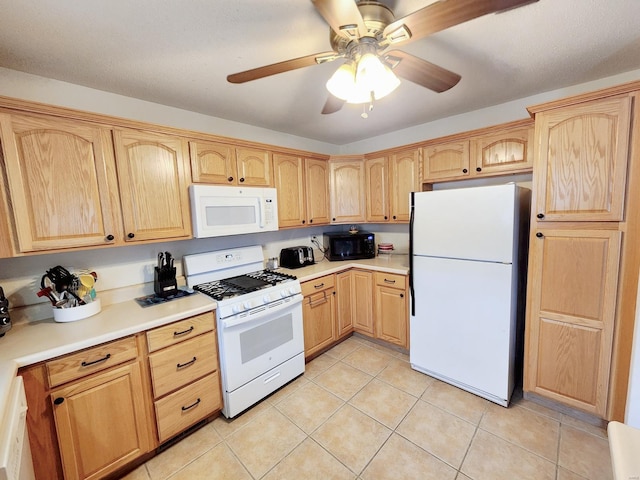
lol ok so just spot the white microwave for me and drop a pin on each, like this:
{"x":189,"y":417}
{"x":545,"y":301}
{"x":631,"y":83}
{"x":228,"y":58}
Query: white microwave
{"x":218,"y":210}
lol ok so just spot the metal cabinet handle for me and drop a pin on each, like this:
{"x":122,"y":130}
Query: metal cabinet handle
{"x":184,"y":332}
{"x":464,"y":170}
{"x":190,"y":362}
{"x":189,"y":407}
{"x":103,"y":359}
{"x":230,"y":179}
{"x":59,"y":401}
{"x":110,"y":238}
{"x":241,"y":179}
{"x":539,"y":235}
{"x":386,"y":280}
{"x":540,"y":215}
{"x":320,"y":285}
{"x":131,"y":235}
{"x":402,"y":295}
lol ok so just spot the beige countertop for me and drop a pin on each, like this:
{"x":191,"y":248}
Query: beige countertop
{"x":30,"y":342}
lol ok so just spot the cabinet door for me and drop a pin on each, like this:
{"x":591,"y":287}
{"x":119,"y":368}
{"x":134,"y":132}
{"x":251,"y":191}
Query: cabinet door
{"x":62,"y":183}
{"x":101,"y":422}
{"x":344,"y":305}
{"x":391,"y":309}
{"x":403,"y":175}
{"x":448,"y":160}
{"x":212,"y":163}
{"x":581,"y":165}
{"x":571,"y":310}
{"x":376,"y":172}
{"x":152,"y":171}
{"x":316,"y":173}
{"x":254,"y":167}
{"x":288,"y":174}
{"x":318,"y":312}
{"x":347,"y":191}
{"x":509,"y":151}
{"x":363,"y":302}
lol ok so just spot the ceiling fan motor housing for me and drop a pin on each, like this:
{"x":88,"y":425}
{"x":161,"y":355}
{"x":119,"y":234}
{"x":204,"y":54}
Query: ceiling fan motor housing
{"x":376,"y":17}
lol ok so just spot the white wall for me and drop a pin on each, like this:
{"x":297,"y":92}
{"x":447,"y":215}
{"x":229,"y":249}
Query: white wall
{"x":632,"y":414}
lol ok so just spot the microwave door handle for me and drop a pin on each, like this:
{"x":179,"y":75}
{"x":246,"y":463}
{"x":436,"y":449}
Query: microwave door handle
{"x":260,"y":214}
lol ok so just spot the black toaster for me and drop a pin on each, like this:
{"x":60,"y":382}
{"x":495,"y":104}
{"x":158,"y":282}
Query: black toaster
{"x":296,"y":257}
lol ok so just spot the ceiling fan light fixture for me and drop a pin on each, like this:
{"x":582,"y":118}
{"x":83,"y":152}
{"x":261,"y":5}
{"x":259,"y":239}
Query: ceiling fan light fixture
{"x":373,"y":76}
{"x":342,"y":82}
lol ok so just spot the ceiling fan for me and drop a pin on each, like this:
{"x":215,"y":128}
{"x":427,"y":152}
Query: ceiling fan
{"x":366,"y":35}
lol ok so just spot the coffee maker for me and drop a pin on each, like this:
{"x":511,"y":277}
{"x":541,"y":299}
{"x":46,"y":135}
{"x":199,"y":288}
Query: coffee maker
{"x":5,"y":321}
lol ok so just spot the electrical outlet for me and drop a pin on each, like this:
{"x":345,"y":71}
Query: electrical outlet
{"x":314,"y":238}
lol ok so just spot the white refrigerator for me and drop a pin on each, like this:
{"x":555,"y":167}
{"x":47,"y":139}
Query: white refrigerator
{"x":467,"y":271}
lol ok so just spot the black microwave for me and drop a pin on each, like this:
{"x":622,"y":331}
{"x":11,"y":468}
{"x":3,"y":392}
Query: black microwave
{"x":349,"y":246}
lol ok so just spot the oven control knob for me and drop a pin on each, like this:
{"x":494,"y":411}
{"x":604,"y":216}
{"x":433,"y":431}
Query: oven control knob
{"x":246,"y":304}
{"x":292,"y":291}
{"x":266,"y":299}
{"x":237,"y":308}
{"x":284,"y":293}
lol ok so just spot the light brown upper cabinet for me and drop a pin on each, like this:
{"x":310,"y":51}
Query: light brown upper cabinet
{"x":446,"y":160}
{"x":403,"y":179}
{"x":583,"y":161}
{"x":224,"y":164}
{"x":504,"y":151}
{"x":303,"y":190}
{"x":347,"y":189}
{"x":377,"y":182}
{"x":153,"y":175}
{"x":62,"y":182}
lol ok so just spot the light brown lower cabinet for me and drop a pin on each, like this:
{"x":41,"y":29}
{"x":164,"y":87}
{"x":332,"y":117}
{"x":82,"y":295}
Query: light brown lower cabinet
{"x":94,"y":412}
{"x":102,"y":422}
{"x":392,"y":308}
{"x":318,"y":313}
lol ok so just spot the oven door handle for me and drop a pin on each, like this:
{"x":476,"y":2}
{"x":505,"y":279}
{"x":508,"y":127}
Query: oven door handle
{"x":252,"y":316}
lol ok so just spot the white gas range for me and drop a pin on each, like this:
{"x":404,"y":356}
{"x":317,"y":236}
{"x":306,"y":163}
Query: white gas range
{"x":259,"y":323}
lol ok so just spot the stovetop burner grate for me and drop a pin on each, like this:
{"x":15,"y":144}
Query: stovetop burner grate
{"x":241,"y":284}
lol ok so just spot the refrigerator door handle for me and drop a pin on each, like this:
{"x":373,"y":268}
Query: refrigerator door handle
{"x":411,"y":290}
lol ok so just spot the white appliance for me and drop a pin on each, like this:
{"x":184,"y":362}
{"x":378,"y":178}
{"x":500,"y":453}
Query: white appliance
{"x":259,"y":323}
{"x":464,"y":282}
{"x":220,"y":210}
{"x":15,"y":452}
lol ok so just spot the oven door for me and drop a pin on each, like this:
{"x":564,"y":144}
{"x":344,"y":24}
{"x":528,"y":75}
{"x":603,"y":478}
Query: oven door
{"x":259,"y":340}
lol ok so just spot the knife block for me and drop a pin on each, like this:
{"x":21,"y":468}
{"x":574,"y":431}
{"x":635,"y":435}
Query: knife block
{"x":164,"y":282}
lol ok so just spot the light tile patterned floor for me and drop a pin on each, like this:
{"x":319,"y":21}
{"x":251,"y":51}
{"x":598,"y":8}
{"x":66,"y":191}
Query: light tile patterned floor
{"x":360,"y":412}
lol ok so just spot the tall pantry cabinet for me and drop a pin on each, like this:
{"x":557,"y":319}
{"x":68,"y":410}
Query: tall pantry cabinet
{"x":583,"y":270}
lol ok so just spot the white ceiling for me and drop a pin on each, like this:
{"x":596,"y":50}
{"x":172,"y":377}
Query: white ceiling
{"x":178,"y":53}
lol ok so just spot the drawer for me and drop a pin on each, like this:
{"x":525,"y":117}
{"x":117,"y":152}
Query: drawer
{"x":180,"y":364}
{"x":318,"y":285}
{"x":94,"y":359}
{"x":392,"y":280}
{"x":187,"y":406}
{"x":179,"y":331}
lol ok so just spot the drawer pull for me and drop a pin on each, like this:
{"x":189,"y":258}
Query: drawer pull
{"x":386,"y":280}
{"x":190,"y":362}
{"x":189,"y":407}
{"x":320,"y":285}
{"x":184,"y":332}
{"x":104,"y":359}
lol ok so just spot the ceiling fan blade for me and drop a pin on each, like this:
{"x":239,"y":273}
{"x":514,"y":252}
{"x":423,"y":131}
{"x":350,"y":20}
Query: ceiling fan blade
{"x":280,"y":67}
{"x":443,"y":14}
{"x":332,"y":105}
{"x":420,"y":71}
{"x":343,"y":17}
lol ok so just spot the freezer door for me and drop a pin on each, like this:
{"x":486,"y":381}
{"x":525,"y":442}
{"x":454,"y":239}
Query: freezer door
{"x":470,"y":223}
{"x":463,"y":331}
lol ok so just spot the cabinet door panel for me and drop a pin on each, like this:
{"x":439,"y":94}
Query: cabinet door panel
{"x":571,"y":314}
{"x":582,"y":161}
{"x":317,"y":190}
{"x":510,"y":151}
{"x":363,"y":306}
{"x":446,"y":161}
{"x":212,"y":163}
{"x":347,"y":191}
{"x":62,"y":181}
{"x":111,"y":404}
{"x":377,"y":182}
{"x":289,"y":181}
{"x":254,"y":167}
{"x":344,"y":305}
{"x":403,"y":174}
{"x":152,"y":174}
